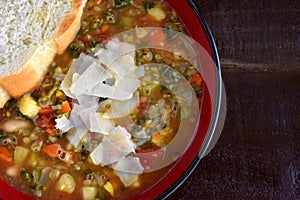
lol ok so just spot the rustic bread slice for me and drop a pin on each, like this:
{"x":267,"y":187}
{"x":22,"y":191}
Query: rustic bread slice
{"x":33,"y":31}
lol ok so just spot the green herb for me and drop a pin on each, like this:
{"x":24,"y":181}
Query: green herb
{"x":2,"y":134}
{"x":110,"y":17}
{"x":76,"y":48}
{"x":121,"y":3}
{"x":26,"y":176}
{"x":148,"y":5}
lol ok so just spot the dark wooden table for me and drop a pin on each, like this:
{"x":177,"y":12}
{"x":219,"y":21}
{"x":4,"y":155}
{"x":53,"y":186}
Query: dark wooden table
{"x":258,"y":153}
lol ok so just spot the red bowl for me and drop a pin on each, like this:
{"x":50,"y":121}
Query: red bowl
{"x":209,"y":110}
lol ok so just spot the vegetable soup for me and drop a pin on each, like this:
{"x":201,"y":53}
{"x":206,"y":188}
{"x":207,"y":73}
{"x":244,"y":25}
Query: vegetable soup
{"x":101,"y":119}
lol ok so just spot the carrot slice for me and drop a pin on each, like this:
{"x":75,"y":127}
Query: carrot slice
{"x":65,"y":107}
{"x":5,"y":155}
{"x":105,"y":28}
{"x":196,"y":79}
{"x":52,"y":150}
{"x":51,"y":132}
{"x":46,"y":111}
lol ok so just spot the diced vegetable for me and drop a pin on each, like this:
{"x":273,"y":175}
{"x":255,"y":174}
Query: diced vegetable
{"x":109,"y":188}
{"x":20,"y":154}
{"x":59,"y":94}
{"x":33,"y":159}
{"x":28,"y":106}
{"x":52,"y":150}
{"x":104,"y":27}
{"x":51,"y":132}
{"x":66,"y":183}
{"x":126,"y":22}
{"x":36,"y":175}
{"x":196,"y":79}
{"x":46,"y":111}
{"x":157,"y":13}
{"x":54,"y":174}
{"x":5,"y":155}
{"x":65,"y":107}
{"x":46,"y":121}
{"x":89,"y":192}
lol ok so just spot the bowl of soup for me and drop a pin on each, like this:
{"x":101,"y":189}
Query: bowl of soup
{"x":126,"y":112}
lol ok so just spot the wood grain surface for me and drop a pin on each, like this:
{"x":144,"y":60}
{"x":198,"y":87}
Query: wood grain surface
{"x":258,"y":153}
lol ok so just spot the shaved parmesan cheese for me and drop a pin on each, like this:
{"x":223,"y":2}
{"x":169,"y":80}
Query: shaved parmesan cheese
{"x":120,"y":109}
{"x":85,"y":116}
{"x":128,"y":169}
{"x":140,"y":71}
{"x":99,"y":124}
{"x":78,"y":67}
{"x":86,"y":101}
{"x":113,"y":147}
{"x":111,"y":74}
{"x":79,"y":127}
{"x":104,"y":105}
{"x":128,"y":84}
{"x":114,"y":49}
{"x":123,"y":65}
{"x":140,"y":137}
{"x":94,"y":75}
{"x":63,"y":124}
{"x":106,"y":91}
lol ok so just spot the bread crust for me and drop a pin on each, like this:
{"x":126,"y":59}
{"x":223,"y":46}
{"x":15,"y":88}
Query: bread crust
{"x":32,"y":73}
{"x":69,"y":26}
{"x":35,"y":68}
{"x":4,"y":97}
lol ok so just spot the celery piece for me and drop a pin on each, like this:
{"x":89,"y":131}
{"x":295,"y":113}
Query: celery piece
{"x":89,"y":192}
{"x":20,"y":154}
{"x":66,"y":183}
{"x":28,"y":106}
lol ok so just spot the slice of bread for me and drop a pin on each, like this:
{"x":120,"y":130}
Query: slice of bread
{"x":32,"y":33}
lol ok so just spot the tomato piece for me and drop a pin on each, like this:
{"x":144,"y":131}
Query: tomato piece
{"x":143,"y":106}
{"x":46,"y":111}
{"x":5,"y":155}
{"x":46,"y":121}
{"x":52,"y":150}
{"x":101,"y":37}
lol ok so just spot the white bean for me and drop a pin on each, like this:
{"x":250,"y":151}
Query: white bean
{"x":12,"y":171}
{"x":14,"y":125}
